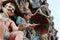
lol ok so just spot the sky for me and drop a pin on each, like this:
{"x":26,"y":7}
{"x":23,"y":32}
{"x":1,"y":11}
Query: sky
{"x":55,"y":12}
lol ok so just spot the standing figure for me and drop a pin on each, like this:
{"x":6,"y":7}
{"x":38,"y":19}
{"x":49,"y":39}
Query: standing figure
{"x":10,"y":29}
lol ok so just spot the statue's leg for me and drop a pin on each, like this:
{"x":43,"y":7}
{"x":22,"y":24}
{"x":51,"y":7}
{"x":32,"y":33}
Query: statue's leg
{"x":1,"y":29}
{"x":18,"y":35}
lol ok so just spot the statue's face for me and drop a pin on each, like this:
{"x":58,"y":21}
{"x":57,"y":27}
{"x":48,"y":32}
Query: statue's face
{"x":42,"y":0}
{"x":28,"y":16}
{"x":51,"y":18}
{"x":10,"y":9}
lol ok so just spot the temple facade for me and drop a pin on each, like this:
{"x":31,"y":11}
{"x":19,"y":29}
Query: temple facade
{"x":41,"y":15}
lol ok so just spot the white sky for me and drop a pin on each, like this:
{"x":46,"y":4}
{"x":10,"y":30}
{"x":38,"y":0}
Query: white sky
{"x":54,"y":6}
